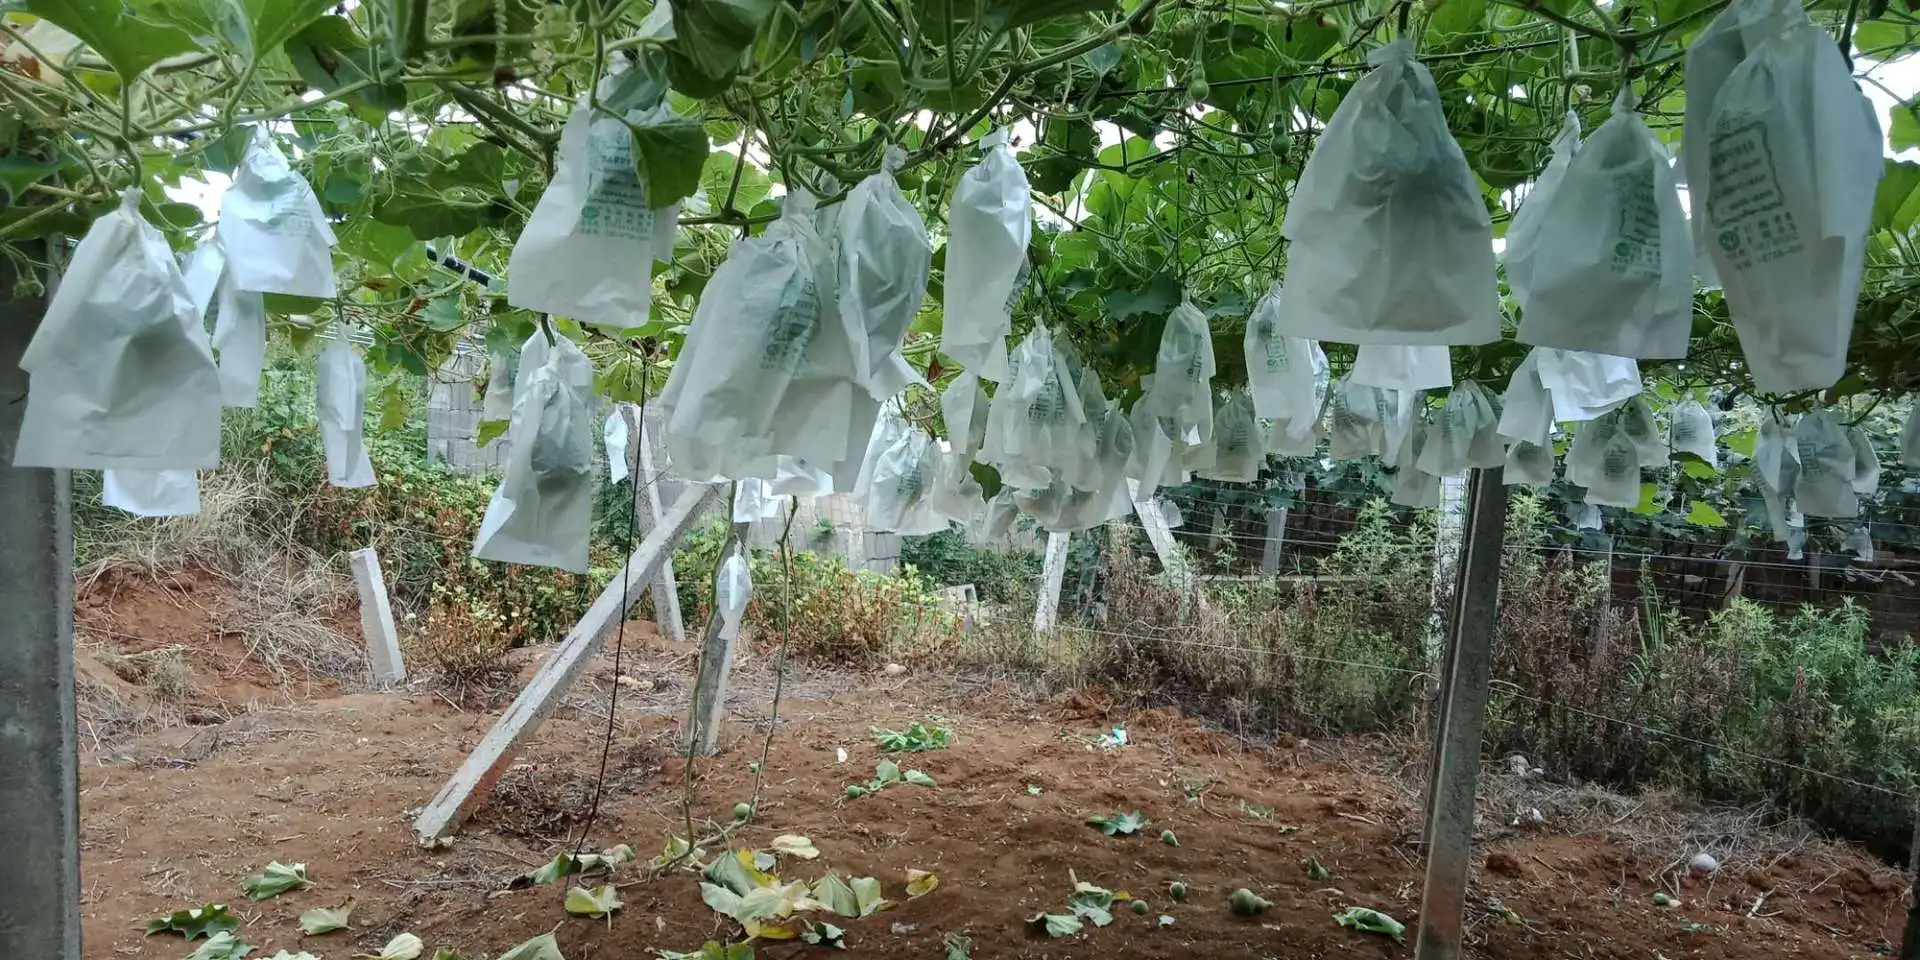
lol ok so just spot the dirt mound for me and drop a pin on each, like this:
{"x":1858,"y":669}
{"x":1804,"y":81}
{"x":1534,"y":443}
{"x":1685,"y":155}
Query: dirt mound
{"x":330,"y":783}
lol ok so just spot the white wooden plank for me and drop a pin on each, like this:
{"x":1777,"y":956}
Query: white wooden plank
{"x":376,"y":619}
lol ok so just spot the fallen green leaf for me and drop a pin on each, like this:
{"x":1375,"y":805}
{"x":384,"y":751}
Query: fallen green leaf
{"x":793,"y":845}
{"x":825,"y":935}
{"x":195,"y":922}
{"x":838,"y":897}
{"x":958,"y":947}
{"x":542,"y":947}
{"x":221,"y":946}
{"x":1056,"y":925}
{"x":595,"y":903}
{"x":918,"y":779}
{"x":276,"y":879}
{"x":1316,"y":872}
{"x":711,"y":950}
{"x":920,"y":883}
{"x":321,"y":920}
{"x":1368,"y":920}
{"x":303,"y":955}
{"x":866,"y":892}
{"x":1166,"y":921}
{"x":1119,"y":824}
{"x":406,"y":946}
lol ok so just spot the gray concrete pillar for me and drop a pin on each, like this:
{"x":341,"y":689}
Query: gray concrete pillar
{"x":39,"y":744}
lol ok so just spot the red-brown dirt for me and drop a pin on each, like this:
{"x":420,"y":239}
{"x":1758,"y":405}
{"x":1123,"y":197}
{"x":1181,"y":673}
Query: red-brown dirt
{"x":179,"y":817}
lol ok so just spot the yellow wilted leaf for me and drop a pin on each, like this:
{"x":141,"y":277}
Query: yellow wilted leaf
{"x":920,"y":882}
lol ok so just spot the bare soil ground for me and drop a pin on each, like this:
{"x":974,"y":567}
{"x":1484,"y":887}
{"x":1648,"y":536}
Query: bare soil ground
{"x":252,"y":770}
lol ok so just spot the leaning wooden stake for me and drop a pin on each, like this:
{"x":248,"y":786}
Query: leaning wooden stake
{"x":490,"y":759}
{"x":1455,"y":764}
{"x":708,"y":711}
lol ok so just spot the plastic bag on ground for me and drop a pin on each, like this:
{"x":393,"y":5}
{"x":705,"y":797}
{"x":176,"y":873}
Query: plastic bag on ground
{"x":1783,"y":161}
{"x":614,"y":435}
{"x":1526,"y":410}
{"x":1391,"y":242}
{"x":121,"y":375}
{"x":1611,"y":266}
{"x":1529,"y":464}
{"x":884,"y":260}
{"x":1402,"y":368}
{"x":340,"y":399}
{"x":989,"y":225}
{"x":732,"y":590}
{"x":541,"y":512}
{"x":152,"y":493}
{"x":1287,"y":375}
{"x":275,"y":234}
{"x":1524,"y":230}
{"x":1690,"y":430}
{"x":1585,"y":385}
{"x":1824,"y":486}
{"x":587,"y":251}
{"x":1238,"y":452}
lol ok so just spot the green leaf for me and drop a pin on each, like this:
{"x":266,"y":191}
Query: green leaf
{"x":918,"y":779}
{"x":1697,"y":468}
{"x":825,"y":935}
{"x":1704,"y":515}
{"x":1456,"y":18}
{"x":443,"y":314}
{"x":885,"y":772}
{"x":834,"y":892}
{"x":866,"y":893}
{"x":321,"y":920}
{"x":542,"y":947}
{"x":794,"y":845}
{"x":958,"y":947}
{"x":599,"y":902}
{"x":406,"y":946}
{"x":1160,"y":296}
{"x":710,"y":39}
{"x":1649,"y":501}
{"x":250,"y":27}
{"x":330,"y":53}
{"x":196,"y":922}
{"x":277,"y":880}
{"x":1056,"y":925}
{"x":1897,"y":187}
{"x":127,"y":34}
{"x":1120,"y":824}
{"x":18,"y":172}
{"x":396,"y":404}
{"x":1367,"y":920}
{"x":303,"y":955}
{"x":1904,"y":131}
{"x":668,"y":155}
{"x":222,"y":946}
{"x":711,"y":950}
{"x":491,"y":430}
{"x":716,"y":177}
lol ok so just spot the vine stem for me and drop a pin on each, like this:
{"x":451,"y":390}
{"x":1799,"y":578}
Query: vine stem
{"x":780,"y":662}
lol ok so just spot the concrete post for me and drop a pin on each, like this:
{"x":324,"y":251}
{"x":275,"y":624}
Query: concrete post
{"x":1046,"y":612}
{"x":1275,"y":543}
{"x":708,"y":711}
{"x":1455,"y":764}
{"x":650,"y":485}
{"x":376,"y":619}
{"x":39,"y":740}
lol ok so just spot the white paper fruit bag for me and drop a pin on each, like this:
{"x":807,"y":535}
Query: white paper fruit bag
{"x":152,"y":493}
{"x":1391,"y":242}
{"x":988,"y":228}
{"x":1824,"y":485}
{"x":1398,"y":367}
{"x":541,"y":511}
{"x":1783,"y":160}
{"x":1585,"y":385}
{"x":276,"y":236}
{"x":1524,"y":231}
{"x":587,"y":251}
{"x":1238,"y":448}
{"x":1183,"y":369}
{"x":1866,"y":462}
{"x":239,"y":321}
{"x":340,"y":399}
{"x":1287,"y":375}
{"x":1690,"y":430}
{"x":121,"y":375}
{"x":1529,"y":464}
{"x":732,"y":590}
{"x":1612,"y":258}
{"x":1526,"y":409}
{"x":884,"y":260}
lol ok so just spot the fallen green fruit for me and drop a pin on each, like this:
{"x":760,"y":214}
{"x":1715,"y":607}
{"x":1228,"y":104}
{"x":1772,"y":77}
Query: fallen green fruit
{"x":1167,"y":837}
{"x":1140,"y":907}
{"x":855,"y":791}
{"x":741,"y":811}
{"x":1246,"y":903}
{"x":1178,"y":891}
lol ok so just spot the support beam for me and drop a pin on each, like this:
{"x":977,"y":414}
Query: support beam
{"x":1046,"y":612}
{"x":650,"y":487}
{"x":376,"y":619}
{"x":39,"y":743}
{"x":1275,"y":543}
{"x":496,"y":751}
{"x":707,"y":712}
{"x":1455,"y":764}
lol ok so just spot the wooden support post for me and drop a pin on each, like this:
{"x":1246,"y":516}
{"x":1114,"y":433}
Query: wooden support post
{"x":649,"y":488}
{"x":496,"y":751}
{"x":1455,"y":764}
{"x":1046,"y":611}
{"x":376,"y":619}
{"x":1275,"y":543}
{"x":708,"y":711}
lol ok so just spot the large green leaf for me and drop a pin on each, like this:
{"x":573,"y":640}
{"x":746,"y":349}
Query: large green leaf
{"x":1904,"y":130}
{"x":250,"y":27}
{"x":1891,"y":204}
{"x":329,"y":54}
{"x":668,"y":154}
{"x":710,"y":41}
{"x":130,"y":35}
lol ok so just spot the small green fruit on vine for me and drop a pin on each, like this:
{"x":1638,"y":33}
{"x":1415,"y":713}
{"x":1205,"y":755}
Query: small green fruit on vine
{"x":741,"y":811}
{"x":1197,"y":89}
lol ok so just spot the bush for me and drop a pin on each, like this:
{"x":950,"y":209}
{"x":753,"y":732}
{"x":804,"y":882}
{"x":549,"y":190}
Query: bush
{"x":950,"y":559}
